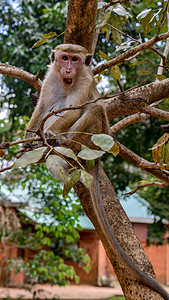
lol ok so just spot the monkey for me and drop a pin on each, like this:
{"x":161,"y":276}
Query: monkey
{"x":69,"y":82}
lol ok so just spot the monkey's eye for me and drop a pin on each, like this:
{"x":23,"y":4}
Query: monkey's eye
{"x":74,"y":58}
{"x":64,"y":57}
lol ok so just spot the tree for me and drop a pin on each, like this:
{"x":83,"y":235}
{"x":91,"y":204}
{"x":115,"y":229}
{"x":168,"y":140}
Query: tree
{"x":138,"y":103}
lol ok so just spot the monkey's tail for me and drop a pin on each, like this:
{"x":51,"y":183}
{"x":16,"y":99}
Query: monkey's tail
{"x":113,"y":242}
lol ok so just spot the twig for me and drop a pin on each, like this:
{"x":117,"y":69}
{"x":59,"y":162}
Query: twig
{"x":160,"y":184}
{"x":123,"y":33}
{"x":5,"y":169}
{"x":141,"y":163}
{"x":38,"y":74}
{"x":6,"y":145}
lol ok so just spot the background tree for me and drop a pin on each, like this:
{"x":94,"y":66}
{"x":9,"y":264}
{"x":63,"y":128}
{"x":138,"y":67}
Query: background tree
{"x":152,"y":21}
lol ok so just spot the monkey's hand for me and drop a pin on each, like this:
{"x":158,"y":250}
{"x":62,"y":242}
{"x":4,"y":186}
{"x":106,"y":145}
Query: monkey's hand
{"x":53,"y":140}
{"x":29,"y":145}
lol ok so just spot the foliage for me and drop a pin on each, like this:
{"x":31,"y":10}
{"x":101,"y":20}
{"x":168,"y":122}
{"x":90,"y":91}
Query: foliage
{"x":27,"y":25}
{"x":51,"y":239}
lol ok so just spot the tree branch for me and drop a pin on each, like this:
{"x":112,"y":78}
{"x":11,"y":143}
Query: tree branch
{"x":121,"y":58}
{"x":141,"y":163}
{"x":160,"y":184}
{"x":13,"y":71}
{"x":129,"y":103}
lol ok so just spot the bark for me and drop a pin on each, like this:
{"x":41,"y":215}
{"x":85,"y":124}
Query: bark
{"x":81,"y":22}
{"x":124,"y":232}
{"x":79,"y":31}
{"x":13,"y":71}
{"x":131,"y":103}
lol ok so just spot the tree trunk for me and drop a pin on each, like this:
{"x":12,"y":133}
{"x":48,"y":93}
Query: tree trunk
{"x":80,"y":24}
{"x":80,"y":30}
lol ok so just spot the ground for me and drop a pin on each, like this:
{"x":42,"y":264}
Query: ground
{"x":73,"y":292}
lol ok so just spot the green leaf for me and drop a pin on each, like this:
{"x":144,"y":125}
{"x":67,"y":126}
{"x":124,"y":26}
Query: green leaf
{"x":141,"y":62}
{"x":58,"y":167}
{"x":66,"y":152}
{"x":147,"y":20}
{"x":90,"y":154}
{"x":28,"y":158}
{"x":104,"y":141}
{"x":166,"y":156}
{"x":143,"y":14}
{"x":103,"y":55}
{"x":74,"y":178}
{"x":160,"y":77}
{"x":77,"y":279}
{"x":49,"y":35}
{"x":162,"y":140}
{"x":90,"y":164}
{"x":86,"y":179}
{"x":144,"y":72}
{"x":115,"y":72}
{"x":106,"y":18}
{"x":69,"y":238}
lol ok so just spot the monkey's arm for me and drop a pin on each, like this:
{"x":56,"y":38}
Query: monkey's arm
{"x":82,"y":129}
{"x":63,"y":122}
{"x":34,"y":122}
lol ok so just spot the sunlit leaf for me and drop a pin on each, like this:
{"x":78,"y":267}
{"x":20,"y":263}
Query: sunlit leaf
{"x":39,"y":43}
{"x":2,"y":153}
{"x":66,"y":152}
{"x":161,"y":162}
{"x":58,"y":168}
{"x":144,"y":72}
{"x":141,"y":62}
{"x":142,"y":182}
{"x":166,"y":157}
{"x":121,"y":11}
{"x":156,"y":154}
{"x":103,"y":55}
{"x":28,"y":158}
{"x":114,"y":150}
{"x":104,"y":141}
{"x":105,"y":19}
{"x":49,"y":35}
{"x":162,"y":140}
{"x":90,"y":154}
{"x":100,"y":4}
{"x":147,"y":20}
{"x":115,"y":72}
{"x":98,"y":78}
{"x":86,"y":179}
{"x":160,"y":77}
{"x":143,"y":14}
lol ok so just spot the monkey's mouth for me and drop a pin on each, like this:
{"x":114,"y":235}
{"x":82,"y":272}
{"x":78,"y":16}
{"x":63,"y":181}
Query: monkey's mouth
{"x":68,"y":80}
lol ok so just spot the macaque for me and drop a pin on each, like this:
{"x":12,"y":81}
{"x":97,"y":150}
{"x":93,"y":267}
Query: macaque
{"x":70,"y":82}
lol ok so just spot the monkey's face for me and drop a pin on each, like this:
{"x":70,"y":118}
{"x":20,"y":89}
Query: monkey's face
{"x":69,"y":64}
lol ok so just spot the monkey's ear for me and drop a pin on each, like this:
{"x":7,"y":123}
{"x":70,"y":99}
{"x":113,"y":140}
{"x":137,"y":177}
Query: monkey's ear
{"x":88,"y":59}
{"x":52,"y":56}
